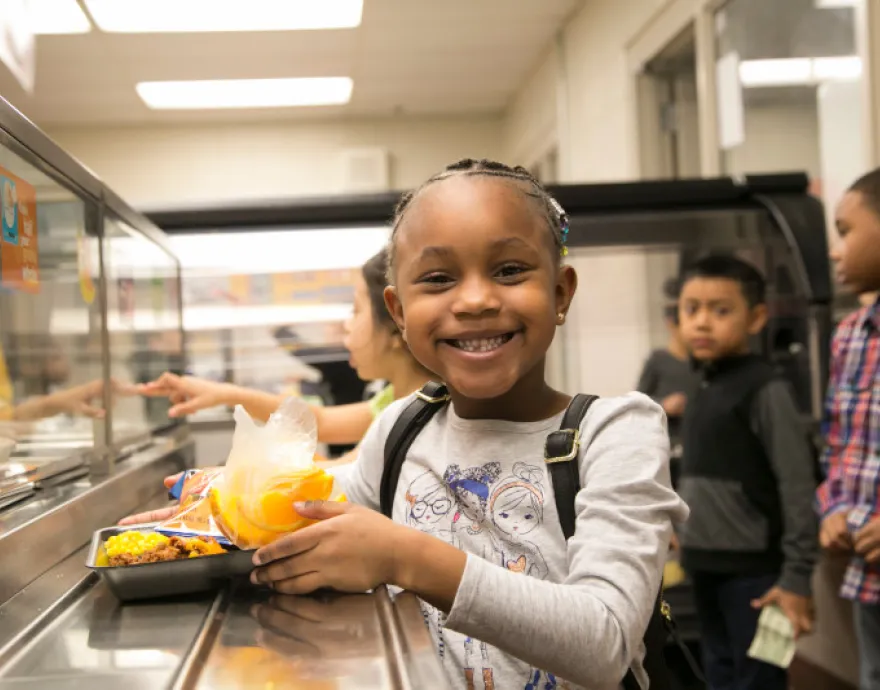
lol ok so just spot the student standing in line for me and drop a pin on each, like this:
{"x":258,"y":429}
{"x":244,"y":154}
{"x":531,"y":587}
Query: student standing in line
{"x":377,"y":352}
{"x":848,"y":498}
{"x":747,"y":476}
{"x":668,"y":376}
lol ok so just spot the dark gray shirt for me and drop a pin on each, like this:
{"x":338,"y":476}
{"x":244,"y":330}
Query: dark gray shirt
{"x":784,"y":434}
{"x":665,"y":374}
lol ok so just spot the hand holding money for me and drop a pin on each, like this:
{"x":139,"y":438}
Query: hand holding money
{"x":798,"y":609}
{"x":774,"y":640}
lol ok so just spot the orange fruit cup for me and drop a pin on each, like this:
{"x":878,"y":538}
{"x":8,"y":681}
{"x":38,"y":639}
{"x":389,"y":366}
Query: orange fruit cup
{"x":259,"y":518}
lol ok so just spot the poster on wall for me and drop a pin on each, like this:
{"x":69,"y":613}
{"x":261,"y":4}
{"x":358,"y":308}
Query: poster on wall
{"x":19,"y":247}
{"x":84,"y":266}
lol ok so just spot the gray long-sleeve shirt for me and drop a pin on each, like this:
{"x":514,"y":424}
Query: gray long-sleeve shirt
{"x":531,"y":604}
{"x":779,"y":425}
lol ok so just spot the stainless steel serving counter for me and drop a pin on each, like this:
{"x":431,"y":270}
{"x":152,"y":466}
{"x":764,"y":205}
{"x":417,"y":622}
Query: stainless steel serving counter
{"x":60,"y":627}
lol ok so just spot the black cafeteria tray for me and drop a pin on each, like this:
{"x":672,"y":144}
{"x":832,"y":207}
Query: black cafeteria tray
{"x":166,"y":578}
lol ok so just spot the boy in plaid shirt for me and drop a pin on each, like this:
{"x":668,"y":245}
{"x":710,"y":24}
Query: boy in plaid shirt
{"x":849,"y":498}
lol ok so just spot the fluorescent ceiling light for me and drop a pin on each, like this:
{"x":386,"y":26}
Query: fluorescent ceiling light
{"x":847,"y":68}
{"x":245,"y":93}
{"x":175,"y":16}
{"x":799,"y":71}
{"x":57,"y":17}
{"x":836,"y":4}
{"x":786,"y":72}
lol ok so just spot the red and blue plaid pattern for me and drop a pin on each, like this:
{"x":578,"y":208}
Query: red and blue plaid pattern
{"x":851,"y":427}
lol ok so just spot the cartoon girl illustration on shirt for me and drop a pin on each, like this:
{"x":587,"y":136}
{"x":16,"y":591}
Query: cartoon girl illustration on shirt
{"x":516,"y":508}
{"x":471,"y":490}
{"x":429,"y":504}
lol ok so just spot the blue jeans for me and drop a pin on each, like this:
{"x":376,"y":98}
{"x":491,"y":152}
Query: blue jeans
{"x":867,"y":623}
{"x":727,"y":627}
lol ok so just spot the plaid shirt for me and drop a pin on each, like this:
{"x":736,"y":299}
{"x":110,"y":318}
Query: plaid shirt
{"x":851,"y":428}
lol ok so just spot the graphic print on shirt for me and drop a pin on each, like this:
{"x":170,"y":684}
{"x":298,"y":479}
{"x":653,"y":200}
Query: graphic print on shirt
{"x":429,"y":504}
{"x":471,"y":488}
{"x":541,"y":680}
{"x":516,"y":508}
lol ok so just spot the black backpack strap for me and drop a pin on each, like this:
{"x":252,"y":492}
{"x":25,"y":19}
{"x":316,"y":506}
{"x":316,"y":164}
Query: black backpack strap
{"x":412,"y":420}
{"x":561,"y":455}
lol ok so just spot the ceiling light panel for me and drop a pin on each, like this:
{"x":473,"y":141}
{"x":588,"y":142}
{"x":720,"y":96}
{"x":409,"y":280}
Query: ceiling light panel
{"x":196,"y":16}
{"x":50,"y":17}
{"x":245,"y":93}
{"x":799,"y":71}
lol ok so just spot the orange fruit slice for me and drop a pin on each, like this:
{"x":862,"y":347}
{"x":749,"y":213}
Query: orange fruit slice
{"x":254,"y":520}
{"x":233,"y":524}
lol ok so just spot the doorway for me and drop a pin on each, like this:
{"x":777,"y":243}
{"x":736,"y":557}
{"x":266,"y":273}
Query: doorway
{"x":669,"y":134}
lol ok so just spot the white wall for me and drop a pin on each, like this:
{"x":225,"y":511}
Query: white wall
{"x":600,"y":108}
{"x":588,"y":84}
{"x":154,"y":167}
{"x":530,"y":127}
{"x":779,"y":137}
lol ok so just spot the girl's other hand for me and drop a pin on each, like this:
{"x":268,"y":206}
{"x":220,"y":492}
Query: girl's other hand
{"x":187,"y":394}
{"x":353,"y":549}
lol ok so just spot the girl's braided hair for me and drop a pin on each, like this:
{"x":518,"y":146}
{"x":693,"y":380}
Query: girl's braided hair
{"x":557,"y":220}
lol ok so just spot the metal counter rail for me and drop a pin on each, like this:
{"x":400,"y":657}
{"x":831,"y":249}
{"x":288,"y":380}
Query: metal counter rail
{"x":36,"y":535}
{"x":242,"y":637}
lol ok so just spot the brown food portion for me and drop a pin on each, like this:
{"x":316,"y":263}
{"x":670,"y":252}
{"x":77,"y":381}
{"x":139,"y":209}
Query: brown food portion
{"x":177,"y":548}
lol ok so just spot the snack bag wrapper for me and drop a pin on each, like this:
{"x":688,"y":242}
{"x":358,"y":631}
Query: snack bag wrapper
{"x":269,"y":469}
{"x":194,"y":517}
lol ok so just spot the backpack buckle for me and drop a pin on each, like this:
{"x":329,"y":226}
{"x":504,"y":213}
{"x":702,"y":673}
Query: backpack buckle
{"x":433,"y":400}
{"x":562,"y":446}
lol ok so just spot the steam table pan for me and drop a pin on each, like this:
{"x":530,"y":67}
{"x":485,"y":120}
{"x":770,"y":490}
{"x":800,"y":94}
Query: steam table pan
{"x":166,"y":578}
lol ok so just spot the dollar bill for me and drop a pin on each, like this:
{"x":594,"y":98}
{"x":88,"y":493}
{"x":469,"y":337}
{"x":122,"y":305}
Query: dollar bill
{"x":774,"y":640}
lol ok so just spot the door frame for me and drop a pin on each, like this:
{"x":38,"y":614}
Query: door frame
{"x":667,"y":24}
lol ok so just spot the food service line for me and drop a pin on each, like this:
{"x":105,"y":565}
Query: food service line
{"x":60,"y":626}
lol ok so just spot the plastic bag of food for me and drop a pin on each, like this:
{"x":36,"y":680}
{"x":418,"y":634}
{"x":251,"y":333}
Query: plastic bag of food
{"x":269,"y":468}
{"x":194,"y":517}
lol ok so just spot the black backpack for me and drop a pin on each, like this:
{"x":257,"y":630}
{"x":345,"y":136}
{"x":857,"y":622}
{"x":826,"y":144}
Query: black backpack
{"x":561,"y":457}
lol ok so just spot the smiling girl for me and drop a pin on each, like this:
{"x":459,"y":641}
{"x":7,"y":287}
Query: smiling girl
{"x":478,"y":289}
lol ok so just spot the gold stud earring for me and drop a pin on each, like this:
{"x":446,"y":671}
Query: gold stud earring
{"x":560,"y":317}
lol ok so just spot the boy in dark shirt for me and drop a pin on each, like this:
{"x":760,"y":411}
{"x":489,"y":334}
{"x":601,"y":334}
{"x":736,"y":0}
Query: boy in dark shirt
{"x":747,"y":475}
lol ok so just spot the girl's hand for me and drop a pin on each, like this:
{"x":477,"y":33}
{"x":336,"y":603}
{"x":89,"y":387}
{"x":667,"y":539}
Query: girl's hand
{"x":353,"y":549}
{"x":188,"y":394}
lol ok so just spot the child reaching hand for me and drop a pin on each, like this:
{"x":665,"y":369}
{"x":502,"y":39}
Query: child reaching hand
{"x":478,"y":290}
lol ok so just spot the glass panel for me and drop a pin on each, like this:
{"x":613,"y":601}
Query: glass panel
{"x":50,"y":322}
{"x":143,"y":317}
{"x":790,"y":91}
{"x":265,"y":309}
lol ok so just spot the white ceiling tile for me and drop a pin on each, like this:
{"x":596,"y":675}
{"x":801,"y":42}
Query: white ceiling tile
{"x":408,"y":56}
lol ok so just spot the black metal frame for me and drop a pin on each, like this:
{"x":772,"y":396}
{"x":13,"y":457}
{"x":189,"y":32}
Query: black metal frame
{"x":738,"y":211}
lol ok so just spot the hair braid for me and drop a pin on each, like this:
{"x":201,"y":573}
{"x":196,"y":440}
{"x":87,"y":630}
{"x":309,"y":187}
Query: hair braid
{"x":557,"y":220}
